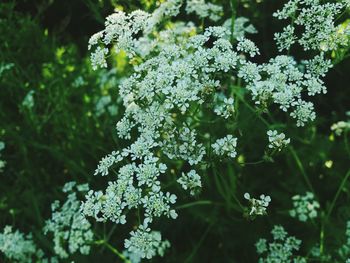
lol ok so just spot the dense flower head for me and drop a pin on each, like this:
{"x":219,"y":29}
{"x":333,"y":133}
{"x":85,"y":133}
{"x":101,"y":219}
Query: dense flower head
{"x":280,"y":249}
{"x":225,"y":147}
{"x":16,"y":246}
{"x":71,"y":231}
{"x":190,"y":181}
{"x":317,"y":21}
{"x":146,"y":243}
{"x":247,"y":46}
{"x":224,"y":106}
{"x":284,"y":83}
{"x":304,"y":207}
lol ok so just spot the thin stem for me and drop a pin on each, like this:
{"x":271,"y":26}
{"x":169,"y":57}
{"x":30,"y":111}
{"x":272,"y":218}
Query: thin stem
{"x":253,"y":110}
{"x":202,"y":202}
{"x":322,"y":235}
{"x":194,"y":251}
{"x":110,"y":232}
{"x":301,"y":168}
{"x":346,"y":177}
{"x":233,"y":4}
{"x":252,"y":163}
{"x":112,"y":249}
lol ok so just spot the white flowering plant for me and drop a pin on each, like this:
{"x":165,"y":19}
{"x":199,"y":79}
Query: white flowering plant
{"x":217,"y":126}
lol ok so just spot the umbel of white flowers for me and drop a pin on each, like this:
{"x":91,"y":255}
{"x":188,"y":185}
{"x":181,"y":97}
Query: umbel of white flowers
{"x":258,"y":207}
{"x":281,"y":249}
{"x":304,"y":207}
{"x":277,"y":141}
{"x":71,"y":231}
{"x":164,"y":95}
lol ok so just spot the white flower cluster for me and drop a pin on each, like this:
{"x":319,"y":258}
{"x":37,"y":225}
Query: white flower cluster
{"x":247,"y":46}
{"x":258,"y":207}
{"x":281,"y":249}
{"x":282,"y":82}
{"x":71,"y":231}
{"x":146,"y":243}
{"x":183,"y":145}
{"x":190,"y":181}
{"x":121,"y":31}
{"x":177,"y":32}
{"x":224,"y":107}
{"x":17,"y":247}
{"x":277,"y":140}
{"x":203,"y":9}
{"x":225,"y":147}
{"x":317,"y":20}
{"x":285,"y":39}
{"x":304,"y":207}
{"x":176,"y":71}
{"x":338,"y":128}
{"x":164,"y":86}
{"x":2,"y":162}
{"x":124,"y":194}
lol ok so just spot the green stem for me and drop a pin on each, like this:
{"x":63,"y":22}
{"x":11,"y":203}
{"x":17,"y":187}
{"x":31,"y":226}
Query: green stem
{"x":194,"y":251}
{"x":346,"y":177}
{"x":324,"y":220}
{"x":202,"y":202}
{"x":322,"y":236}
{"x":233,"y":4}
{"x":252,"y":109}
{"x":112,"y":249}
{"x":252,"y":163}
{"x":301,"y":168}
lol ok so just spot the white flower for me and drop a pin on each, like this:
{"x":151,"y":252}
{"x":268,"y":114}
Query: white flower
{"x":258,"y":206}
{"x":71,"y":231}
{"x":303,"y":112}
{"x":226,"y":146}
{"x":304,"y":207}
{"x":98,"y":58}
{"x":277,"y":141}
{"x":146,"y":243}
{"x":285,"y":39}
{"x":16,"y":246}
{"x":190,"y":181}
{"x":247,"y":46}
{"x":224,"y":106}
{"x":203,"y":9}
{"x":340,"y":127}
